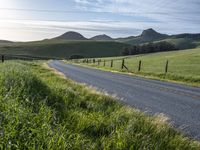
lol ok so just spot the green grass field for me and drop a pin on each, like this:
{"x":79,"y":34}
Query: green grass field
{"x":183,"y":65}
{"x":41,"y":110}
{"x":64,"y":49}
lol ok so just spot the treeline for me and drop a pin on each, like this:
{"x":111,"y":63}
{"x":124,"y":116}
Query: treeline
{"x":149,"y":48}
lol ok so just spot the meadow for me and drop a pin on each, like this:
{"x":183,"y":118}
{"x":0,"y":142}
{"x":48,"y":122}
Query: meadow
{"x":40,"y":109}
{"x":183,"y":65}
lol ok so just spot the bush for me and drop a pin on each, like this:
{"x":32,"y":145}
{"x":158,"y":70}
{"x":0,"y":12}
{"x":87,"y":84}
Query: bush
{"x":76,"y":57}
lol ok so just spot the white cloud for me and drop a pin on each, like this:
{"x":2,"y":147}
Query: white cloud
{"x":154,"y":9}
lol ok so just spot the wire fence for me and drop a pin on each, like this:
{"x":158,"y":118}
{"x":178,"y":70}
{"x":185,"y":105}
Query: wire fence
{"x":161,"y":66}
{"x":5,"y":57}
{"x":120,"y":63}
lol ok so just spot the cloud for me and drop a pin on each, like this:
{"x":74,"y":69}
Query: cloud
{"x":90,"y":17}
{"x":154,"y":9}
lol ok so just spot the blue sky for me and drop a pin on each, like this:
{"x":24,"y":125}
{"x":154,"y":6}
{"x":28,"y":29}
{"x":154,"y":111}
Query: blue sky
{"x":27,"y":20}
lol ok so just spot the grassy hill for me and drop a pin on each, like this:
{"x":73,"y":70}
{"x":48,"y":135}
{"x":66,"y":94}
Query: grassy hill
{"x":64,"y":48}
{"x":102,"y":37}
{"x":148,"y":35}
{"x":181,"y":41}
{"x":183,"y":65}
{"x":71,"y":36}
{"x":5,"y":42}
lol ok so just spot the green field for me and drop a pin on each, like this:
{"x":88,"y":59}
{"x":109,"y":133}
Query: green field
{"x":41,"y":110}
{"x":183,"y":65}
{"x":63,"y":48}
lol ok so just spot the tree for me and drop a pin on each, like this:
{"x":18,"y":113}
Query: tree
{"x":76,"y":57}
{"x":149,"y":48}
{"x":125,"y":51}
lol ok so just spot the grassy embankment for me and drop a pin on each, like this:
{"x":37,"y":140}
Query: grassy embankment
{"x":40,"y":110}
{"x":184,"y":66}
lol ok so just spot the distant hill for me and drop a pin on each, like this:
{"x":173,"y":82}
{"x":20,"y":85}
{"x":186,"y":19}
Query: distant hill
{"x":148,"y":35}
{"x":102,"y":37}
{"x":187,"y":35}
{"x":151,"y":34}
{"x":75,"y":36}
{"x":181,"y":41}
{"x":73,"y":43}
{"x":4,"y":41}
{"x":72,"y":36}
{"x":184,"y":41}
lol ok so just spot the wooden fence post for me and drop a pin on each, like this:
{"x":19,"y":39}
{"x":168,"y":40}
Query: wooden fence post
{"x":166,"y":66}
{"x":139,"y":66}
{"x":111,"y":64}
{"x":104,"y":64}
{"x":122,"y":64}
{"x":98,"y":62}
{"x":2,"y":58}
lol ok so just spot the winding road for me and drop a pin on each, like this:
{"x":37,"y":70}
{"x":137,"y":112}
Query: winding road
{"x":180,"y":103}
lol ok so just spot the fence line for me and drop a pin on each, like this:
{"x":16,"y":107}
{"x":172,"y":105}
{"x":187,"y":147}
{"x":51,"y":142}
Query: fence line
{"x":23,"y":57}
{"x":123,"y":63}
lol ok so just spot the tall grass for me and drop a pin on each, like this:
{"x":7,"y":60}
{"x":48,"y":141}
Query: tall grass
{"x":39,"y":110}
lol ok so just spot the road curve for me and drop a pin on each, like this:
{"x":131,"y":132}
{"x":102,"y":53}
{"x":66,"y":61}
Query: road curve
{"x":179,"y":102}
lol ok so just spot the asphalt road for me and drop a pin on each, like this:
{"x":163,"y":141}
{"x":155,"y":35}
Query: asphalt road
{"x":179,"y":102}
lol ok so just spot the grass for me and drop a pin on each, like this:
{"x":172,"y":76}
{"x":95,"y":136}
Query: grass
{"x":64,"y":49}
{"x":183,"y":66}
{"x":40,"y":110}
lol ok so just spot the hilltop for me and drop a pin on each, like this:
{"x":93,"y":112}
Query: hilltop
{"x":181,"y":41}
{"x":71,"y":36}
{"x":148,"y":35}
{"x":102,"y":37}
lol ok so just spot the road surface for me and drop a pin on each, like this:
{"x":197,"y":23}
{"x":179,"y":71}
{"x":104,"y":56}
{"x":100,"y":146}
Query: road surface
{"x":179,"y":102}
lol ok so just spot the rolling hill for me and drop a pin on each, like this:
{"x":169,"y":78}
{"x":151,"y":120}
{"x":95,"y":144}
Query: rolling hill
{"x":73,"y":43}
{"x":5,"y":42}
{"x":181,"y":41}
{"x":148,"y":35}
{"x":64,"y":48}
{"x":101,"y":38}
{"x":71,"y":36}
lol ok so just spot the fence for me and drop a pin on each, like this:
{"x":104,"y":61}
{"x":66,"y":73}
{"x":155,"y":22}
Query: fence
{"x":121,"y":64}
{"x":4,"y":57}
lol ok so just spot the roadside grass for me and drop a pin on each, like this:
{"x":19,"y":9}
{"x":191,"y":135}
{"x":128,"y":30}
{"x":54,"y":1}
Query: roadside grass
{"x":40,"y":110}
{"x":183,"y":65}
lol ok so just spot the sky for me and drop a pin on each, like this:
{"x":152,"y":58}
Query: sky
{"x":29,"y":20}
